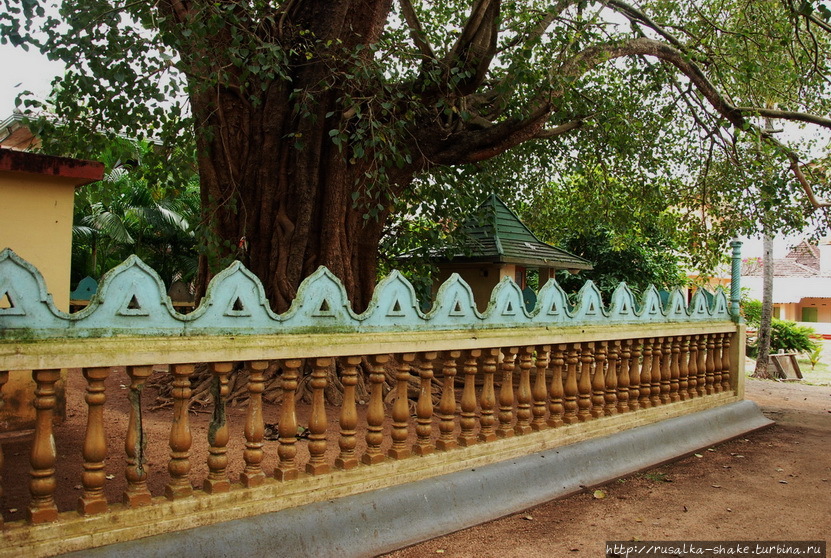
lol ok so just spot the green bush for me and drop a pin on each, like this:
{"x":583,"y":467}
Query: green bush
{"x":784,"y":335}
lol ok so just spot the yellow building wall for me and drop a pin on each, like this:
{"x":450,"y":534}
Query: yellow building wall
{"x":482,"y":279}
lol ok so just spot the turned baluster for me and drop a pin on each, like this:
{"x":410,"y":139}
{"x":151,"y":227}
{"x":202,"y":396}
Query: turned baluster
{"x":610,"y":397}
{"x":218,"y":433}
{"x":253,"y":475}
{"x":447,"y":404}
{"x":137,"y":493}
{"x":92,"y":500}
{"x":666,"y":371}
{"x":487,"y":403}
{"x":726,"y":365}
{"x":683,"y":368}
{"x":318,"y":422}
{"x":555,"y":391}
{"x":400,"y":411}
{"x":599,"y":381}
{"x":692,"y":366}
{"x":540,"y":390}
{"x":634,"y":373}
{"x":424,"y":405}
{"x":467,"y":417}
{"x":584,"y":382}
{"x":523,"y":408}
{"x":4,"y":377}
{"x":655,"y":381}
{"x":703,"y":388}
{"x":506,"y":393}
{"x":347,"y":459}
{"x":287,"y":426}
{"x":623,"y":351}
{"x":675,"y":370}
{"x":718,"y":347}
{"x":43,"y":456}
{"x":570,"y":389}
{"x":180,"y":437}
{"x":710,"y":364}
{"x":375,"y":412}
{"x":646,"y":375}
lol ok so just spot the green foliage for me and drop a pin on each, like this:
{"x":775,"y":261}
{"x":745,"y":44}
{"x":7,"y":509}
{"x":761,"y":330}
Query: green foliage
{"x":784,"y":335}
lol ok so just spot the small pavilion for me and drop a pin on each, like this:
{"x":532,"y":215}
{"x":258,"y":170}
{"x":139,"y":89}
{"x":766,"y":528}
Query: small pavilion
{"x":497,"y":244}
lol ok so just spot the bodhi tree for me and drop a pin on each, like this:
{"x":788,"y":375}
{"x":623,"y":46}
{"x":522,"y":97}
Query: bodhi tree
{"x":316,"y":123}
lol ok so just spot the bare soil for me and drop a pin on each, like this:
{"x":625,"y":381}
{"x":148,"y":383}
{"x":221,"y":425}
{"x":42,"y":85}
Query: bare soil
{"x":774,"y":484}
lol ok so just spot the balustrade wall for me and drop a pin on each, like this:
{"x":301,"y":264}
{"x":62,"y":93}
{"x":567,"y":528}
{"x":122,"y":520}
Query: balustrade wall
{"x":442,"y":391}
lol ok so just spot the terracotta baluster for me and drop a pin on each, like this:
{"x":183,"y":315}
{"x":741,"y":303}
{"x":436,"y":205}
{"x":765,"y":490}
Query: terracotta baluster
{"x":487,"y":403}
{"x":252,"y":475}
{"x":375,"y":412}
{"x":447,"y":404}
{"x":683,"y":367}
{"x":726,"y":365}
{"x":692,"y":366}
{"x":540,"y":390}
{"x":524,"y":398}
{"x":287,"y":426}
{"x":610,"y":397}
{"x":711,"y":363}
{"x":655,"y":382}
{"x":675,"y":370}
{"x":599,"y":379}
{"x":424,"y":406}
{"x":666,"y":371}
{"x":718,"y":346}
{"x":584,"y":383}
{"x":137,"y":493}
{"x":42,"y":482}
{"x":467,"y":416}
{"x":570,"y":388}
{"x":645,"y":388}
{"x":92,"y":500}
{"x":555,"y":391}
{"x":4,"y":377}
{"x":623,"y":351}
{"x":634,"y":373}
{"x":401,"y":409}
{"x":218,"y":433}
{"x":318,"y":421}
{"x":348,"y":415}
{"x":180,"y":437}
{"x":506,"y":393}
{"x":703,"y":387}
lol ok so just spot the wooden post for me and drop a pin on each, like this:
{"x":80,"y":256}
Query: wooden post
{"x":447,"y":404}
{"x":375,"y":412}
{"x":43,"y":456}
{"x":584,"y":383}
{"x":540,"y":391}
{"x":253,"y":474}
{"x":137,"y":493}
{"x":555,"y":391}
{"x":318,"y":422}
{"x":467,"y":416}
{"x":523,"y":410}
{"x":623,"y":351}
{"x":487,"y":421}
{"x":401,"y":409}
{"x":218,"y":433}
{"x":570,"y":389}
{"x":287,"y":427}
{"x":424,"y":406}
{"x":180,"y":437}
{"x":634,"y":373}
{"x":506,"y":393}
{"x":348,"y":415}
{"x":92,"y":500}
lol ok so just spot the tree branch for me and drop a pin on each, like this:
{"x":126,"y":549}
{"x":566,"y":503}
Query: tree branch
{"x":416,"y":31}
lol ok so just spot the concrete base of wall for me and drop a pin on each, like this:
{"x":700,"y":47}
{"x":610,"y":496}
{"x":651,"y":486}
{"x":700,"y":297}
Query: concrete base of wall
{"x":383,"y":520}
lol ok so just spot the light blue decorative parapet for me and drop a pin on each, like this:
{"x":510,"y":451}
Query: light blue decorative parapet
{"x":131,"y":300}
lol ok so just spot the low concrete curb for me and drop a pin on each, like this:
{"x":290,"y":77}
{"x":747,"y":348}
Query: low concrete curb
{"x":383,"y":520}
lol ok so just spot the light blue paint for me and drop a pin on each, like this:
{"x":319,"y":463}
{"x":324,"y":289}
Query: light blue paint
{"x":131,"y":300}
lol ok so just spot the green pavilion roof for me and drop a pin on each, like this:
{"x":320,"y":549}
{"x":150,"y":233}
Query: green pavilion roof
{"x":500,"y":237}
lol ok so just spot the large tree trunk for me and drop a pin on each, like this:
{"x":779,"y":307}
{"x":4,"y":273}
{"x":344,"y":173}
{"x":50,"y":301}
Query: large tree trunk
{"x":763,"y":335}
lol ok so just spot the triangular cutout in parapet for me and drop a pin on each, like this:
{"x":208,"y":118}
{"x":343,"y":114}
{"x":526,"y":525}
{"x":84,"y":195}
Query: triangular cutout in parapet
{"x":457,"y":309}
{"x":396,"y":310}
{"x":238,"y":305}
{"x":6,"y":302}
{"x":592,"y":309}
{"x":237,"y":308}
{"x":325,"y":309}
{"x":509,"y":309}
{"x":132,"y":307}
{"x":8,"y":307}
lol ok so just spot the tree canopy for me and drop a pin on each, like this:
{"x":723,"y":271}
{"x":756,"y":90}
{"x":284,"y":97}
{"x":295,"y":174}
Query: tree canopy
{"x":317,"y":124}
